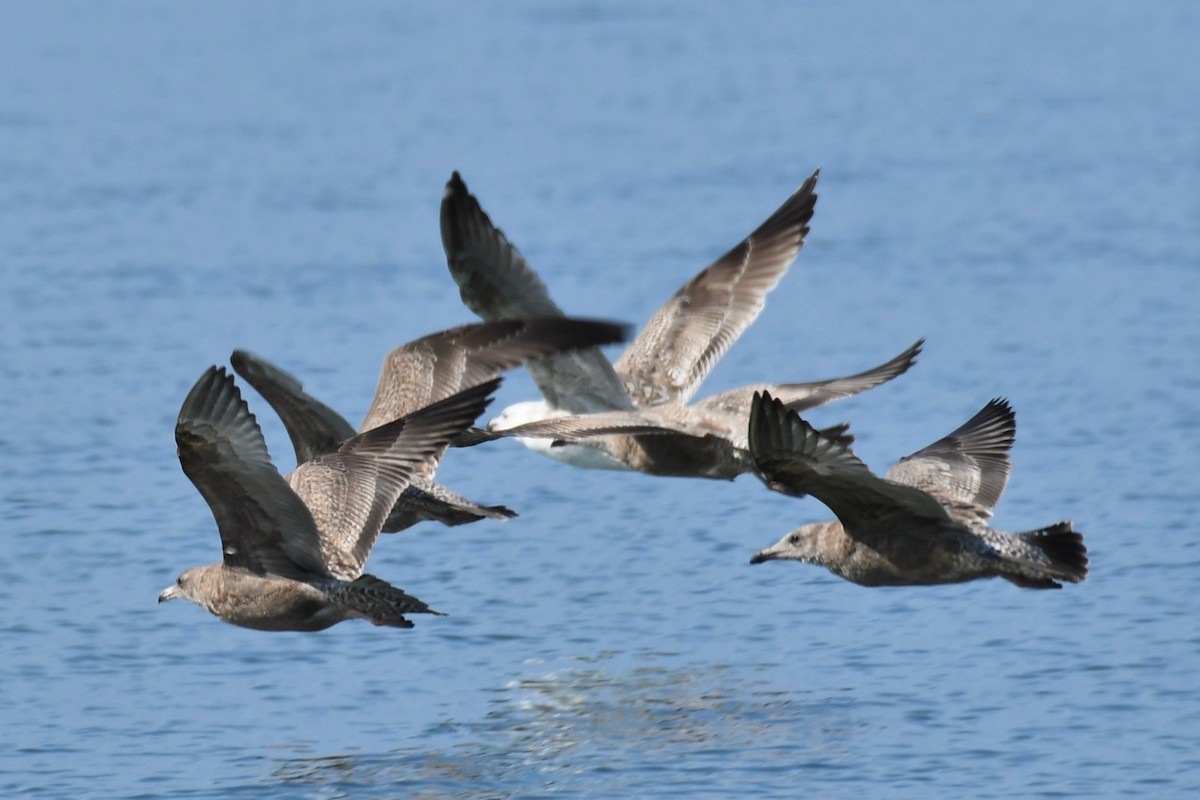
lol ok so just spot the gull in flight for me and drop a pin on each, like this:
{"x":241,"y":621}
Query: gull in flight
{"x":646,"y":395}
{"x":925,"y":522}
{"x":293,"y":549}
{"x":414,"y":375}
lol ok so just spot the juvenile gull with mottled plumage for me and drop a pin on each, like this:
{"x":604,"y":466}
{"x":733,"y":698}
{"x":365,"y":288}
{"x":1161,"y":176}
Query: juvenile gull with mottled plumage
{"x":925,"y":522}
{"x":294,"y":549}
{"x":650,"y":386}
{"x":416,"y":374}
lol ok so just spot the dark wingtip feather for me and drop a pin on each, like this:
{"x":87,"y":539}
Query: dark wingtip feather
{"x":767,"y":431}
{"x":839,"y":434}
{"x":215,"y":388}
{"x":473,"y":436}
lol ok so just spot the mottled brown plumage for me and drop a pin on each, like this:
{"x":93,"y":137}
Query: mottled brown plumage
{"x":655,"y":379}
{"x":416,"y":374}
{"x":294,"y":549}
{"x":925,"y":522}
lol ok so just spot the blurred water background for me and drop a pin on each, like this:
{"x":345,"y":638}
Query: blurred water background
{"x":1017,"y":182}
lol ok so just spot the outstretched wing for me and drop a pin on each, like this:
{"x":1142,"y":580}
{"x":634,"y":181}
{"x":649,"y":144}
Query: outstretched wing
{"x":264,"y":526}
{"x":425,"y":500}
{"x":803,"y":396}
{"x":689,"y":334}
{"x":352,"y":490}
{"x":496,"y":283}
{"x":312,"y":426}
{"x":436,"y":366}
{"x":580,"y":427}
{"x":794,"y":458}
{"x":966,"y":470}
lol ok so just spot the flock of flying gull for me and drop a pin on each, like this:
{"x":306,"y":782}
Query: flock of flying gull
{"x":294,"y":547}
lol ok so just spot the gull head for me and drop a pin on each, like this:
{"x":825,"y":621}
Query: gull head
{"x":588,"y":456}
{"x":186,"y":586}
{"x":802,"y":544}
{"x":520,"y":413}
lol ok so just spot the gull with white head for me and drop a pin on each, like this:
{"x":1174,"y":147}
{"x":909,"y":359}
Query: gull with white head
{"x":643,"y":401}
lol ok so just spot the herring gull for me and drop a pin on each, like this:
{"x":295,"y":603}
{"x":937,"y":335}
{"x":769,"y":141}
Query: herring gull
{"x":650,"y":386}
{"x":925,"y":522}
{"x":413,"y":375}
{"x":293,"y":549}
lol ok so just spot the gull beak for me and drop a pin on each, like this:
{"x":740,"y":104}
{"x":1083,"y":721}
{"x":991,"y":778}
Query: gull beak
{"x":169,"y":593}
{"x":762,"y":555}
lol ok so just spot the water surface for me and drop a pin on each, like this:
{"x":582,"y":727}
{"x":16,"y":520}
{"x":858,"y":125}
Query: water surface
{"x":1016,"y":183}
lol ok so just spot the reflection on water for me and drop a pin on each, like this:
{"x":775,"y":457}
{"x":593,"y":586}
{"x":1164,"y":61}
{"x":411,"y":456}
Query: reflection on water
{"x":544,"y":730}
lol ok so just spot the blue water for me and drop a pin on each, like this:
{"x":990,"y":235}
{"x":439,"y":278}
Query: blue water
{"x":1017,"y":182}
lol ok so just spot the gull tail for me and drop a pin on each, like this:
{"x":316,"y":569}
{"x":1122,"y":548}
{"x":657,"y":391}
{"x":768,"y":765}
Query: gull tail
{"x":1057,"y":554}
{"x":381,"y":603}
